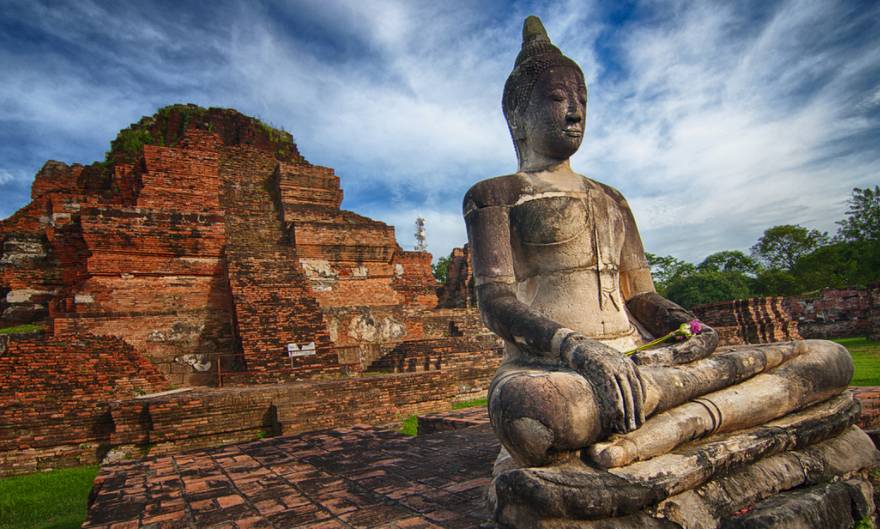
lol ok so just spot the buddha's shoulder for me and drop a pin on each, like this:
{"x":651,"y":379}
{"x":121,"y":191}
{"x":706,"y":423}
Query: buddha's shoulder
{"x":609,"y":191}
{"x":498,"y":191}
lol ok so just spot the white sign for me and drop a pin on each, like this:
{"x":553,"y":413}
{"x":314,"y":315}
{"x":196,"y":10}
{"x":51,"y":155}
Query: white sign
{"x":294,"y":350}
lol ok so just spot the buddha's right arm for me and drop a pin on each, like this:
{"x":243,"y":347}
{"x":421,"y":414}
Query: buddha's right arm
{"x":492,"y":260}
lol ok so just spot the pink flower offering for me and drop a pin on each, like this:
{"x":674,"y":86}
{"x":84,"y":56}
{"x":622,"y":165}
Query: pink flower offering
{"x":696,"y":326}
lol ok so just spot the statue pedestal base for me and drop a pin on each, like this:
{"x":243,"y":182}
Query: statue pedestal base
{"x":805,"y":470}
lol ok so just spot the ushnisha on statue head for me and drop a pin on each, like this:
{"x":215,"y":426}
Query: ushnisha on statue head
{"x":544,"y":101}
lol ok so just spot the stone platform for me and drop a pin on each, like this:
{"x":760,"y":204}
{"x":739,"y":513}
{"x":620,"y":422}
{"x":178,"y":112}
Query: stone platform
{"x":358,"y":477}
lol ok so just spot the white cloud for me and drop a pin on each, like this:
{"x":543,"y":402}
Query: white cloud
{"x":710,"y":137}
{"x":715,"y":122}
{"x":7,"y":176}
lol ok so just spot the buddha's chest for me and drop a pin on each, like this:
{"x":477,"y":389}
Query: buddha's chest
{"x":559,"y":231}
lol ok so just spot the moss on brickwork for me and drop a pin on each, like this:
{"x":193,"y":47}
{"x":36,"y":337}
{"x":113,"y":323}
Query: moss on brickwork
{"x":168,"y":126}
{"x":27,"y":328}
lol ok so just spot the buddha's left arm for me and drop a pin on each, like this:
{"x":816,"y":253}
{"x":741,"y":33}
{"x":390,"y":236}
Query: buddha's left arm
{"x":656,"y":313}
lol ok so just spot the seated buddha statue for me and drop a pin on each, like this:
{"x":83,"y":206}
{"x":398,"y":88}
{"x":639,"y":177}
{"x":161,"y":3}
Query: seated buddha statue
{"x":561,"y":276}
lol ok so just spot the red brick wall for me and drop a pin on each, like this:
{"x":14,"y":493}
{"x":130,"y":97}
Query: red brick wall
{"x":211,"y":417}
{"x":833,"y":313}
{"x":54,"y":397}
{"x":222,"y":246}
{"x":753,"y":320}
{"x":56,"y":177}
{"x":874,"y":312}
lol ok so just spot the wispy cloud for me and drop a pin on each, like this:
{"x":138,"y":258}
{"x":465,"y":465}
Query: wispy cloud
{"x":717,"y":121}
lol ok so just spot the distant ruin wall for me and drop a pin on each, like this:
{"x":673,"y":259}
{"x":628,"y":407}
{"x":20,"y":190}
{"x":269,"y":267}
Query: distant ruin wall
{"x":874,"y":316}
{"x":458,"y":291}
{"x":837,"y":313}
{"x":832,"y":313}
{"x":753,"y":320}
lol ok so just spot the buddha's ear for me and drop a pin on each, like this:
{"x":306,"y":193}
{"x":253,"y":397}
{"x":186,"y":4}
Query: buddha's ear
{"x":515,"y":123}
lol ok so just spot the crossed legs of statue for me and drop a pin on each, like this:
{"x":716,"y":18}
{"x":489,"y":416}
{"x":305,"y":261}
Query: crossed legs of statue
{"x":545,"y":415}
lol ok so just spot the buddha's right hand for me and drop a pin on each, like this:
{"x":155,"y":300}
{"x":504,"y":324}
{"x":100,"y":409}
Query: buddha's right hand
{"x":616,"y":381}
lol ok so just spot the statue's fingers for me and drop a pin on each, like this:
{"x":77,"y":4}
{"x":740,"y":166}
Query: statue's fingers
{"x":625,"y":386}
{"x":616,"y":394}
{"x":638,"y":390}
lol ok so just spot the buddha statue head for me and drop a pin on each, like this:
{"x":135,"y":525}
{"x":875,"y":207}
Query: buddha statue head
{"x":544,"y":102}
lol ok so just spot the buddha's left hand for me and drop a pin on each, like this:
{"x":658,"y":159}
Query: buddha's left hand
{"x":694,"y":348}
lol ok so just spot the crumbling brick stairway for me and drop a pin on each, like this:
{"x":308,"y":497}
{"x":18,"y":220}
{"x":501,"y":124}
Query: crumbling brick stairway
{"x":274,"y":306}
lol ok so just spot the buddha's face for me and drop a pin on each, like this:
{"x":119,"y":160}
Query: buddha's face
{"x":553,"y":122}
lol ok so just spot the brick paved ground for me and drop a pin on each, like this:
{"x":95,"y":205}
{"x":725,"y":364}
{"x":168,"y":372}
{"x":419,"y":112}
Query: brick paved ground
{"x":359,"y":477}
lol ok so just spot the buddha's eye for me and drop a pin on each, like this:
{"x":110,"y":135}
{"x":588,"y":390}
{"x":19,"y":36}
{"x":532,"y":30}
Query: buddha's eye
{"x":557,"y":95}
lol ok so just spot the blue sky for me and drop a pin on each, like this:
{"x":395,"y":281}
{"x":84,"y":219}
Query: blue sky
{"x":716,"y":120}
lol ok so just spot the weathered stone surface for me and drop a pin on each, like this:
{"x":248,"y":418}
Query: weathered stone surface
{"x":822,"y":370}
{"x":577,"y":491}
{"x":829,"y":506}
{"x":706,"y":506}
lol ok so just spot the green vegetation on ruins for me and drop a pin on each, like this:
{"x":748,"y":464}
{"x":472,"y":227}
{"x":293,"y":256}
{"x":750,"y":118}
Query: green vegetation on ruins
{"x":26,"y":328}
{"x":410,"y":425}
{"x":786,"y":260}
{"x":46,"y":500}
{"x":168,"y":126}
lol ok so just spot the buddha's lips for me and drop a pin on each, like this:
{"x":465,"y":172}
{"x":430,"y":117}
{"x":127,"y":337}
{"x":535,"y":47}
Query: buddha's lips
{"x":573,"y":133}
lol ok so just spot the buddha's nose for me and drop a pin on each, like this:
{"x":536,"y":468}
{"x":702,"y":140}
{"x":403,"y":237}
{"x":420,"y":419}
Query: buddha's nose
{"x":574,"y":114}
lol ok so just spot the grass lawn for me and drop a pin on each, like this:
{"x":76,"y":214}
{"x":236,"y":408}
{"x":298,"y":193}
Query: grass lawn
{"x":47,"y":500}
{"x":866,"y":358}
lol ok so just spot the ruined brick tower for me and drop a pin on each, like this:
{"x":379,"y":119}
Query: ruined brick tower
{"x":212,"y":247}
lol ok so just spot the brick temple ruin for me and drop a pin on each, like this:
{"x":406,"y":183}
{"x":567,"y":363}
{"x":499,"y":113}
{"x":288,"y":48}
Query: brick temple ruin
{"x":828,"y":313}
{"x":206,"y":252}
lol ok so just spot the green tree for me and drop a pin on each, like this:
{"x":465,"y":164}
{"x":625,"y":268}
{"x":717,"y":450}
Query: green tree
{"x":781,"y":246}
{"x":776,"y":282}
{"x":730,"y":261}
{"x":665,"y":269}
{"x":441,"y":270}
{"x":862,"y":222}
{"x":837,"y":265}
{"x":708,"y":286}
